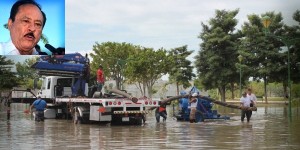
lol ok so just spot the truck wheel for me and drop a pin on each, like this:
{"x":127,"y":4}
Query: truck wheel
{"x":138,"y":121}
{"x":80,"y":115}
{"x":83,"y":120}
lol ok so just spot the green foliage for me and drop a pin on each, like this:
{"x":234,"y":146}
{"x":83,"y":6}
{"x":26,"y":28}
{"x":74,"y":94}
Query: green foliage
{"x":257,"y":88}
{"x":122,"y":61}
{"x":198,"y":83}
{"x":26,"y":74}
{"x":293,"y":33}
{"x":218,"y":55}
{"x":213,"y":93}
{"x":262,"y":53}
{"x":263,"y":56}
{"x":274,"y":89}
{"x":8,"y":79}
{"x":147,"y":66}
{"x":44,"y":39}
{"x":296,"y":90}
{"x":296,"y":16}
{"x":113,"y":57}
{"x":182,"y":70}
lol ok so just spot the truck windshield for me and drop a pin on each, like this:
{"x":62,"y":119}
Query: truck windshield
{"x":65,"y":82}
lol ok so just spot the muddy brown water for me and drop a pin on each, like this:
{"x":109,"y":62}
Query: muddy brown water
{"x":269,"y":128}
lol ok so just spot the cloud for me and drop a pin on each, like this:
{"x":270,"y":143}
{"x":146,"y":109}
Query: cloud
{"x":155,"y":23}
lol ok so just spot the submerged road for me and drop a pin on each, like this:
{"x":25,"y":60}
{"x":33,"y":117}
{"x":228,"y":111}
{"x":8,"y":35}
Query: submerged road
{"x":269,"y":129}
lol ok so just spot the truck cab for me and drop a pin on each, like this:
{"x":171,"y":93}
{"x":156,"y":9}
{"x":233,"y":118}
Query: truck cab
{"x":56,"y":86}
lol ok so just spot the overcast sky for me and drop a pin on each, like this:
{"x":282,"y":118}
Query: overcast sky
{"x":155,"y":23}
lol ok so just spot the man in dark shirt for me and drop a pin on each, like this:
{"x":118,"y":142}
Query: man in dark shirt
{"x":39,"y":106}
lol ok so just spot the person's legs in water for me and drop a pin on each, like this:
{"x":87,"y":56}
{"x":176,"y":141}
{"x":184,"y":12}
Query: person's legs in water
{"x":192,"y":115}
{"x":248,"y":115}
{"x":157,"y":115}
{"x":39,"y":116}
{"x":164,"y":115}
{"x":144,"y":118}
{"x":243,"y":115}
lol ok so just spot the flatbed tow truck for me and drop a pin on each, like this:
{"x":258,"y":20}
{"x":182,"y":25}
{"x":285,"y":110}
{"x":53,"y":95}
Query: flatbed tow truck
{"x":65,"y":90}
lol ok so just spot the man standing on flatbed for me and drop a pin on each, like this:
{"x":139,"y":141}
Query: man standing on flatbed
{"x":100,"y":78}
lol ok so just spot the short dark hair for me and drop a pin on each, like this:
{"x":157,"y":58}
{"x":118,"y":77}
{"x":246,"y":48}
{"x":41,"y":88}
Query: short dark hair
{"x":249,"y":89}
{"x":15,"y":8}
{"x":100,"y":66}
{"x":44,"y":16}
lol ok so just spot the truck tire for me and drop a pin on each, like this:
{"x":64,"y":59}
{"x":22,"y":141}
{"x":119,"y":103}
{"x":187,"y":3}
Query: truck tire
{"x":81,"y":115}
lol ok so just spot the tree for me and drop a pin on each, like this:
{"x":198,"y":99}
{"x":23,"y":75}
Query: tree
{"x":290,"y":35}
{"x":293,"y":33}
{"x":263,"y":53}
{"x":182,"y":70}
{"x":113,"y":57}
{"x":146,"y":66}
{"x":218,"y":52}
{"x":25,"y":73}
{"x":8,"y":79}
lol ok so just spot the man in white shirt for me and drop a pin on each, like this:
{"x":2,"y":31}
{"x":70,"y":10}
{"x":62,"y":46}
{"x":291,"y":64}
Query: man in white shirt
{"x":193,"y":105}
{"x":9,"y":48}
{"x":252,"y":98}
{"x":245,"y":102}
{"x":25,"y":24}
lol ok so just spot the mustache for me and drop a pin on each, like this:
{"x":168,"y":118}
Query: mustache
{"x":30,"y":34}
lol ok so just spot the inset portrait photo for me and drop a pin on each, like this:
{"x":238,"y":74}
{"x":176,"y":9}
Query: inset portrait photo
{"x":32,"y":27}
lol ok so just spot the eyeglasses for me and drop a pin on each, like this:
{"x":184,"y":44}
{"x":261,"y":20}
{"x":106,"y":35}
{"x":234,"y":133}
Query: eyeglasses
{"x":27,"y":22}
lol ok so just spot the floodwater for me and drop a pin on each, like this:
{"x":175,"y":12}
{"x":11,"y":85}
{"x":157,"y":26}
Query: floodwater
{"x":269,"y":129}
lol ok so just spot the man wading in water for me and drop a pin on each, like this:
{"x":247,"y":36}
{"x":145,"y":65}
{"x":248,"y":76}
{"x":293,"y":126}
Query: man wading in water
{"x":39,"y":106}
{"x":193,"y":105}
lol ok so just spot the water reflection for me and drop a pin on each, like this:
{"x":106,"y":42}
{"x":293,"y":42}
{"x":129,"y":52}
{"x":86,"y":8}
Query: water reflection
{"x":269,"y":128}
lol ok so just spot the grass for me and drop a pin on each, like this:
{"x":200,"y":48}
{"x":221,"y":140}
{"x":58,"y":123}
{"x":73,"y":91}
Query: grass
{"x":269,"y":99}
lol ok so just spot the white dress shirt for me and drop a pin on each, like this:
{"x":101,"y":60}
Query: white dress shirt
{"x":8,"y":48}
{"x":245,"y":101}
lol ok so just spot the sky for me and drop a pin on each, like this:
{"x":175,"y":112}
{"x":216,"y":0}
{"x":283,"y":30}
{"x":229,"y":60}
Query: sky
{"x":155,"y":23}
{"x":54,"y":28}
{"x":151,"y":23}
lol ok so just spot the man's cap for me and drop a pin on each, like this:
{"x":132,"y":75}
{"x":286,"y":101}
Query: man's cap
{"x":194,"y":94}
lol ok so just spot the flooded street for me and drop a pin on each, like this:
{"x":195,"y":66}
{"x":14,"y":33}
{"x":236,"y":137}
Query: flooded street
{"x":269,"y":129}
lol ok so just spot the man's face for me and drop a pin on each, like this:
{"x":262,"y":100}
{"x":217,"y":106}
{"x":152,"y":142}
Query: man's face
{"x":26,"y":30}
{"x":249,"y":92}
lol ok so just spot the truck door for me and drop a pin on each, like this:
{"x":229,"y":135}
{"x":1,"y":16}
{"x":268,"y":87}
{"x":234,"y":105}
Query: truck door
{"x":45,"y":91}
{"x":63,"y":87}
